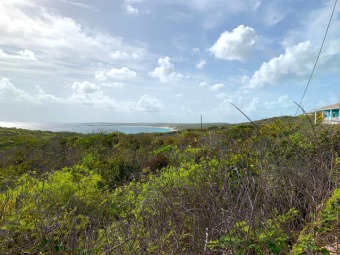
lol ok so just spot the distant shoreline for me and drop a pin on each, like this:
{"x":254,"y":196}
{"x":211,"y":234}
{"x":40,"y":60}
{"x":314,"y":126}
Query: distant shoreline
{"x":88,"y":128}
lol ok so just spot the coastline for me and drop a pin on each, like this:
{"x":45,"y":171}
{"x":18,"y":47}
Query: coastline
{"x":88,"y":128}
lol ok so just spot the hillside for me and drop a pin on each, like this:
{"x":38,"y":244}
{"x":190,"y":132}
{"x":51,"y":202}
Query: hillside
{"x":236,"y":189}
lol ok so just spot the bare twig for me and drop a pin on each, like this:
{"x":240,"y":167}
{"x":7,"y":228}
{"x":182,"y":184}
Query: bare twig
{"x":245,"y":115}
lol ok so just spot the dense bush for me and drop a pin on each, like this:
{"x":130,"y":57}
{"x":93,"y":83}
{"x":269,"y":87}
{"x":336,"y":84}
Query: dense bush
{"x":241,"y":190}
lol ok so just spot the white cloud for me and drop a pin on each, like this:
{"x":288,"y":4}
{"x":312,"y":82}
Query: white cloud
{"x":115,"y":74}
{"x":5,"y":86}
{"x":217,"y":86}
{"x":9,"y":91}
{"x":85,"y":87}
{"x":165,"y":72}
{"x":250,"y":105}
{"x":100,"y":76}
{"x":244,"y":103}
{"x":203,"y":84}
{"x":281,"y":102}
{"x":44,"y":97}
{"x":121,"y":73}
{"x":253,"y":105}
{"x":89,"y":94}
{"x":131,"y":10}
{"x":21,"y":55}
{"x":235,"y":45}
{"x":122,"y":55}
{"x":27,"y":54}
{"x":297,"y":61}
{"x":119,"y":55}
{"x":82,"y":94}
{"x":201,"y":64}
{"x":146,"y":104}
{"x":55,"y":36}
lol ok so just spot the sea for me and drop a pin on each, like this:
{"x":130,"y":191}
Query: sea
{"x":87,"y":128}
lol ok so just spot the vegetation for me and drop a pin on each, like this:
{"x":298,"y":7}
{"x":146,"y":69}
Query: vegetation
{"x":273,"y":189}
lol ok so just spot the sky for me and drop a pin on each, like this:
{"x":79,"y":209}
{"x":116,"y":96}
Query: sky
{"x":165,"y":60}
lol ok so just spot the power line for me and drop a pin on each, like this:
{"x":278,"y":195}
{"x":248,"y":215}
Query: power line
{"x":317,"y":59}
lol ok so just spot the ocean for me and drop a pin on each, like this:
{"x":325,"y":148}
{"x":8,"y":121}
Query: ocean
{"x":87,"y":128}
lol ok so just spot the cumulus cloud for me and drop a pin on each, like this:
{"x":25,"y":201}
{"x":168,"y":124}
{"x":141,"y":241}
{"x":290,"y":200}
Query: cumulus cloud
{"x":115,"y":74}
{"x":90,"y":94}
{"x":85,"y":87}
{"x":297,"y":61}
{"x":119,"y":55}
{"x":201,"y":64}
{"x":121,"y":73}
{"x":214,"y":87}
{"x":131,"y":10}
{"x":83,"y":93}
{"x":296,"y":64}
{"x":146,"y":103}
{"x":217,"y":86}
{"x":235,"y":45}
{"x":165,"y":72}
{"x":9,"y":91}
{"x":100,"y":76}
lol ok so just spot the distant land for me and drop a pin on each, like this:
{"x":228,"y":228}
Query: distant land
{"x":106,"y":127}
{"x":141,"y":127}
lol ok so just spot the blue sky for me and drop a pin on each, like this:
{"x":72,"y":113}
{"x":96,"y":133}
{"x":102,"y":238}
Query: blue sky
{"x":164,"y":60}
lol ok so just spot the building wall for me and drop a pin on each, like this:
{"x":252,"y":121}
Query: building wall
{"x":334,"y":112}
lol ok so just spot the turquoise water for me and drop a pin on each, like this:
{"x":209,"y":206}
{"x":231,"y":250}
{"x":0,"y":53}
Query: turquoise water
{"x":86,"y":128}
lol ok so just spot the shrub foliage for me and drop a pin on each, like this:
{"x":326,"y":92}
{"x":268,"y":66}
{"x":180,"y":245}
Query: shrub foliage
{"x":241,"y":190}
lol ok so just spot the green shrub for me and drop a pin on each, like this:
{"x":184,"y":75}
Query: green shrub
{"x":57,"y":213}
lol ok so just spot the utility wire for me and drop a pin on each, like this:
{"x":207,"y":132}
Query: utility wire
{"x":317,"y":59}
